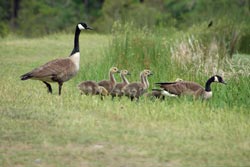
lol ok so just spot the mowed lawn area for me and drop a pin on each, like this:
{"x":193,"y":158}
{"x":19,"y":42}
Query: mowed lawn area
{"x":41,"y":129}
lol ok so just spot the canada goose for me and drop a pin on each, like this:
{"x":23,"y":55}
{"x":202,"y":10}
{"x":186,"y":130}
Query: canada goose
{"x":117,"y":90}
{"x":137,"y":89}
{"x":109,"y":84}
{"x":92,"y":88}
{"x":59,"y":70}
{"x":191,"y":88}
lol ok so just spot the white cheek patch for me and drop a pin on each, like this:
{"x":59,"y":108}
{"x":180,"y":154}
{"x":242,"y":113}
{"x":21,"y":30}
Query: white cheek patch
{"x":216,"y":79}
{"x":80,"y":27}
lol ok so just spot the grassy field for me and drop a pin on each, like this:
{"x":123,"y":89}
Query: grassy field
{"x":39,"y":129}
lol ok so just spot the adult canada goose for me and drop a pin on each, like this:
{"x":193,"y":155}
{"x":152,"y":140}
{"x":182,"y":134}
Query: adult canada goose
{"x":117,"y":90}
{"x":59,"y":70}
{"x":137,"y":89}
{"x":109,"y":84}
{"x":191,"y":88}
{"x":92,"y":88}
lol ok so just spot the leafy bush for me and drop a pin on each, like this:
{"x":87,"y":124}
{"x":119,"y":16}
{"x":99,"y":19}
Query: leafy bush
{"x":3,"y":29}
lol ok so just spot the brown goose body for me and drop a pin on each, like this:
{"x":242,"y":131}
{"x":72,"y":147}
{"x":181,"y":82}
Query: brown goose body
{"x":109,"y":84}
{"x":117,"y":90}
{"x":92,"y":88}
{"x":182,"y":87}
{"x":191,"y":88}
{"x":89,"y":88}
{"x":59,"y":70}
{"x":136,"y":89}
{"x":54,"y":71}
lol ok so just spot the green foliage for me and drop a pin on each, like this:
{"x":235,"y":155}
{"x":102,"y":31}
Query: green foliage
{"x":4,"y":16}
{"x":189,"y":12}
{"x":33,"y":18}
{"x":4,"y":29}
{"x":42,"y":17}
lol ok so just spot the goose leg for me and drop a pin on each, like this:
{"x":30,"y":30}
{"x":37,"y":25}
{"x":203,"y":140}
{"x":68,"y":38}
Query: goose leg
{"x":48,"y":86}
{"x":102,"y":97}
{"x":120,"y":97}
{"x":163,"y":98}
{"x":60,"y":87}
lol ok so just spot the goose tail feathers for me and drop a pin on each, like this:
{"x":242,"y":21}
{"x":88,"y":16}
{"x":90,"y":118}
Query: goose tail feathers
{"x":26,"y":76}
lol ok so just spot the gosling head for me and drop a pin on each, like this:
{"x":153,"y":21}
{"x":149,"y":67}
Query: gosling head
{"x":147,"y":73}
{"x":125,"y":72}
{"x":178,"y":80}
{"x":217,"y":78}
{"x":114,"y":70}
{"x":103,"y":91}
{"x":83,"y":26}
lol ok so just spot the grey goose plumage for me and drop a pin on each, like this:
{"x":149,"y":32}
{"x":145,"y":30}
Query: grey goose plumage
{"x":89,"y":88}
{"x":191,"y":88}
{"x":136,"y":89}
{"x":59,"y":70}
{"x":117,"y":90}
{"x":92,"y":88}
{"x":109,"y":84}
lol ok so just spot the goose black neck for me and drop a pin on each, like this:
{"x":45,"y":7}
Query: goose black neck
{"x":76,"y":42}
{"x":208,"y":83}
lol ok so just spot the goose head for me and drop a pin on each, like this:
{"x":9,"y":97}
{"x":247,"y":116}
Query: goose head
{"x":125,"y":72}
{"x":103,"y":91}
{"x":83,"y":26}
{"x":217,"y":78}
{"x":178,"y":80}
{"x":114,"y":70}
{"x":147,"y":73}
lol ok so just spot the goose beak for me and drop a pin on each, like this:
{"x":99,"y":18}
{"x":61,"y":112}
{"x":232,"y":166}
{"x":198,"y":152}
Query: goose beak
{"x":223,"y":82}
{"x":89,"y":28}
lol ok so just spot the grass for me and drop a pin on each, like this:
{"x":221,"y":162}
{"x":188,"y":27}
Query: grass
{"x":39,"y":129}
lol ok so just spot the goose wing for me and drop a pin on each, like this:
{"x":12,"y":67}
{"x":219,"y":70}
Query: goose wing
{"x":58,"y":69}
{"x":179,"y":88}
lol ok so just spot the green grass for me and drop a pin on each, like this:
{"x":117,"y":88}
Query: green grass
{"x":39,"y":129}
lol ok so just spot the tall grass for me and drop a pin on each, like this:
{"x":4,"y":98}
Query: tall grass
{"x":194,"y":55}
